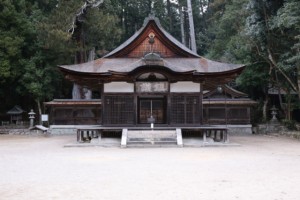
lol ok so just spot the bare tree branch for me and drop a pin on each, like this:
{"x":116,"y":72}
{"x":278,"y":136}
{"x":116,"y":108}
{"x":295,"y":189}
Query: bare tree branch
{"x":81,"y":10}
{"x":281,"y":71}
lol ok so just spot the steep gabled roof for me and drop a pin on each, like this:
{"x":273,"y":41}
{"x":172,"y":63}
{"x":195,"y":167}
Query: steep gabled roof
{"x":153,"y":47}
{"x":151,"y":23}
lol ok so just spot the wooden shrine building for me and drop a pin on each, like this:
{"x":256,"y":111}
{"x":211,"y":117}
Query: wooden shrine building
{"x":152,"y":77}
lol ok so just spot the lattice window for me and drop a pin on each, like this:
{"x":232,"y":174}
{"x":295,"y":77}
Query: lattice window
{"x":84,"y":113}
{"x":177,"y":109}
{"x":237,"y":113}
{"x":63,"y":113}
{"x":119,"y":109}
{"x":82,"y":116}
{"x":185,"y":109}
{"x":216,"y":113}
{"x":192,"y":110}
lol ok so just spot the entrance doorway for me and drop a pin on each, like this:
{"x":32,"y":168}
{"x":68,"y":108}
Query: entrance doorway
{"x":155,"y":107}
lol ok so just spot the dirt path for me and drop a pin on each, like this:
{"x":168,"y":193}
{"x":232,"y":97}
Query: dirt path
{"x":38,"y":167}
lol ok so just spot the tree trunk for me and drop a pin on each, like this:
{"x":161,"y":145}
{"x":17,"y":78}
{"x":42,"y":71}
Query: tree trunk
{"x":87,"y":93}
{"x":76,"y":94}
{"x":38,"y":117}
{"x":265,"y":108}
{"x":182,"y":24}
{"x":279,"y":91}
{"x":192,"y":30}
{"x":294,"y":87}
{"x":298,"y":81}
{"x":170,"y":15}
{"x":289,"y":106}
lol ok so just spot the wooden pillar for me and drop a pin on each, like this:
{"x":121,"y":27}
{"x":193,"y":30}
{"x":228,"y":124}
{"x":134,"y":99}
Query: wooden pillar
{"x":215,"y":134}
{"x":102,"y":104}
{"x":224,"y":136}
{"x":221,"y":135}
{"x":169,"y":107}
{"x":204,"y":136}
{"x":79,"y":136}
{"x":135,"y":104}
{"x":201,"y":104}
{"x":248,"y":115}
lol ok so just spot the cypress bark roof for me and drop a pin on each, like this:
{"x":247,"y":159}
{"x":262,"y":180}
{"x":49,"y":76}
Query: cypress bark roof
{"x":77,"y":102}
{"x":126,"y":65}
{"x":163,"y":51}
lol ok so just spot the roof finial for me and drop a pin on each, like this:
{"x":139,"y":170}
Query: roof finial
{"x":150,"y":17}
{"x":152,"y":12}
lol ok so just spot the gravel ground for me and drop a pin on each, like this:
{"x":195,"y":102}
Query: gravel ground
{"x":39,"y":167}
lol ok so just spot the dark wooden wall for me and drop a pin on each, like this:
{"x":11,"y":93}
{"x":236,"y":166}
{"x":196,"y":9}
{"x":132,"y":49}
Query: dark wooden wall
{"x":67,"y":115}
{"x":222,"y":114}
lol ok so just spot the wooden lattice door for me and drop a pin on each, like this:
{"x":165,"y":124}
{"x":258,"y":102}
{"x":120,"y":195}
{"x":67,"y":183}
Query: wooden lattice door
{"x":154,"y":107}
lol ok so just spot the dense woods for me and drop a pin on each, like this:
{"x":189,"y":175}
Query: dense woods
{"x":38,"y":35}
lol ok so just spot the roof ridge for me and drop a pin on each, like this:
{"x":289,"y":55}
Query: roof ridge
{"x":151,"y":16}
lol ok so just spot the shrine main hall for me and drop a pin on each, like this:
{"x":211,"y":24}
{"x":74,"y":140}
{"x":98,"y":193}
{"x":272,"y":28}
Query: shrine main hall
{"x":152,"y":78}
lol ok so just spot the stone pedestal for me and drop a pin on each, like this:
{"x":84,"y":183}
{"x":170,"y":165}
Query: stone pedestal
{"x":270,"y":128}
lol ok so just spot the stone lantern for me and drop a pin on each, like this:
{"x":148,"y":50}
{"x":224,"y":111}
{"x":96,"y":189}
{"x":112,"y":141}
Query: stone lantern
{"x":274,"y":113}
{"x":31,"y":118}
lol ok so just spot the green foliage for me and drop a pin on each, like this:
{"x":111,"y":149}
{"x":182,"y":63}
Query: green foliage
{"x":36,"y":36}
{"x":270,"y":43}
{"x":287,"y":22}
{"x":264,"y":33}
{"x":102,"y":34}
{"x":39,"y":78}
{"x":228,"y":44}
{"x":290,"y":124}
{"x":53,"y":28}
{"x":254,"y":80}
{"x":16,"y":33}
{"x":14,"y":30}
{"x":34,"y":39}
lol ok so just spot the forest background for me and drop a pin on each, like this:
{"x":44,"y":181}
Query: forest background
{"x":38,"y":35}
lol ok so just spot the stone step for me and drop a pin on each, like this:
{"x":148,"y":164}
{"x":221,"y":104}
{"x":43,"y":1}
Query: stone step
{"x":151,"y":134}
{"x":151,"y":138}
{"x":152,"y":146}
{"x":152,"y":142}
